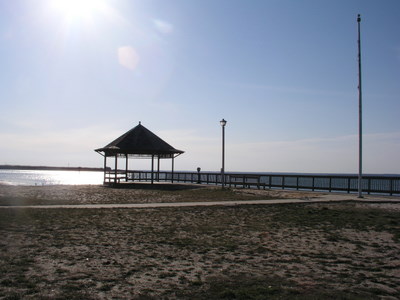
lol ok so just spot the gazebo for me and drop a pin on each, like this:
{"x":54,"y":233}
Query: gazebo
{"x":139,"y":142}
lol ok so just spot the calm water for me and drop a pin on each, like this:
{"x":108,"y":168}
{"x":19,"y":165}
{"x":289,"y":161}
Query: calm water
{"x":36,"y":177}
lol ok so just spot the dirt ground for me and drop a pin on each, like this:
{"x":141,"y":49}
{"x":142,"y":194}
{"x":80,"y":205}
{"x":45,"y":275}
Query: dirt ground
{"x":138,"y":193}
{"x":344,"y":250}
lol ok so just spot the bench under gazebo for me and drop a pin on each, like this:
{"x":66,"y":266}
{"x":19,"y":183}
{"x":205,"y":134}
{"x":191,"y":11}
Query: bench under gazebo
{"x":139,"y":142}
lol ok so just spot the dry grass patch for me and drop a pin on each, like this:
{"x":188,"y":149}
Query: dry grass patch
{"x":96,"y":194}
{"x":302,"y":251}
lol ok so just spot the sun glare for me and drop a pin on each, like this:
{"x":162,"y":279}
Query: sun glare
{"x":78,"y":8}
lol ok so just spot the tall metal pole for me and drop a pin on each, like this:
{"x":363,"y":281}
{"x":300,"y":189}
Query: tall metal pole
{"x":359,"y":112}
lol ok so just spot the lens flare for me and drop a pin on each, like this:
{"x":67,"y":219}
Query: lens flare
{"x":128,"y":57}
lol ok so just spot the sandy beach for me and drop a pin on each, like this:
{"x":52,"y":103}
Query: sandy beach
{"x":345,"y":250}
{"x":141,"y":193}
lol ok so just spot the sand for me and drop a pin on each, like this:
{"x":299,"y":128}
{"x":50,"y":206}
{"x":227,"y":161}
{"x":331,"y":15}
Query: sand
{"x":320,"y":250}
{"x":142,"y":193}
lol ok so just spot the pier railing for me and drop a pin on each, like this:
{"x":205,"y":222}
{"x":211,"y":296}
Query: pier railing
{"x":386,"y":185}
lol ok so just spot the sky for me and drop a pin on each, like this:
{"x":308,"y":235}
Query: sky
{"x":75,"y":75}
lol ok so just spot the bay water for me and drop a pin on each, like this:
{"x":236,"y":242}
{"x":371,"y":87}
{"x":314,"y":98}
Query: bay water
{"x":49,"y":177}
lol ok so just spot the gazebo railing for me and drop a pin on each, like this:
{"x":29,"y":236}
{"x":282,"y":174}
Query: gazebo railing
{"x":385,"y":185}
{"x":110,"y":176}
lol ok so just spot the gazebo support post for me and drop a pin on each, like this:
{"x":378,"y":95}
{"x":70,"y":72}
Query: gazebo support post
{"x":116,"y":168}
{"x":105,"y":168}
{"x":126,"y":168}
{"x":152,"y":169}
{"x":158,"y":168}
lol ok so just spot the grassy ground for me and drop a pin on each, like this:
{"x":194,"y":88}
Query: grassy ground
{"x":142,"y":193}
{"x":292,"y":251}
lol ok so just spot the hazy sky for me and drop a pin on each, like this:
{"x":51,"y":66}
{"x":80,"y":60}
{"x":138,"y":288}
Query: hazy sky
{"x":75,"y":75}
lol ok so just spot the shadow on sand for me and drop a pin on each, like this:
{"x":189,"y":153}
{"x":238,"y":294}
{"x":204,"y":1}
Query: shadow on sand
{"x":155,"y":186}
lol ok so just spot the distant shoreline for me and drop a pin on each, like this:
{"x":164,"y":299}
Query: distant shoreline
{"x":47,"y":168}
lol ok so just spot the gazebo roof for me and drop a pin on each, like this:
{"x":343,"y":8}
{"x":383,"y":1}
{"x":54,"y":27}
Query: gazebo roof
{"x":139,"y":141}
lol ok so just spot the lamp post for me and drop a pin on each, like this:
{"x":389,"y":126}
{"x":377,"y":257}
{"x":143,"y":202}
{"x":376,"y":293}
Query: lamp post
{"x":359,"y":112}
{"x":223,"y":123}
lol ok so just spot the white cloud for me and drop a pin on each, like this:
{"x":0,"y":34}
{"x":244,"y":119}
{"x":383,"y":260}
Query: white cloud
{"x":320,"y":155}
{"x":381,"y":153}
{"x":325,"y":155}
{"x":162,"y":26}
{"x":293,"y":89}
{"x":310,"y":155}
{"x":74,"y":146}
{"x":200,"y":151}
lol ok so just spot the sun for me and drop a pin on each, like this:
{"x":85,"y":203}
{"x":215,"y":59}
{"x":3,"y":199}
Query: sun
{"x":78,"y":8}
